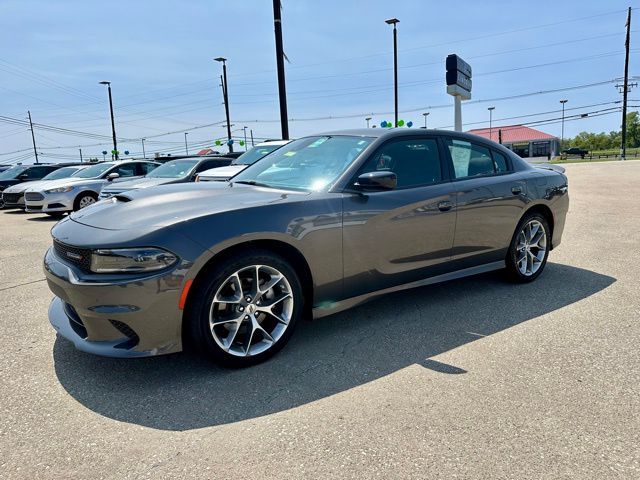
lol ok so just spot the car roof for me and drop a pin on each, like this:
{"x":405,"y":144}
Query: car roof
{"x":272,"y":142}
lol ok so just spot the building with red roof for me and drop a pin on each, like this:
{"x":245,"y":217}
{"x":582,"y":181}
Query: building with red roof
{"x":524,"y":141}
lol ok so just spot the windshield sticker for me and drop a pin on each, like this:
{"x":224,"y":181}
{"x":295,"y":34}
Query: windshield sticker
{"x":290,"y":154}
{"x":318,"y":142}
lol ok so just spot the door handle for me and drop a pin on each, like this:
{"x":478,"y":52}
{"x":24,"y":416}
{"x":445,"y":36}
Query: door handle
{"x":517,"y":190}
{"x":445,"y":206}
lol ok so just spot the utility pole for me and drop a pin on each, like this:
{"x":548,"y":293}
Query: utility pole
{"x":282,"y":89}
{"x":225,"y":95}
{"x":491,"y":109}
{"x":562,"y":131}
{"x":144,"y":155}
{"x":245,"y":138}
{"x":623,"y":146}
{"x":80,"y":154}
{"x":252,"y":144}
{"x":394,"y":22}
{"x":186,"y":147}
{"x":113,"y":124}
{"x":33,"y":137}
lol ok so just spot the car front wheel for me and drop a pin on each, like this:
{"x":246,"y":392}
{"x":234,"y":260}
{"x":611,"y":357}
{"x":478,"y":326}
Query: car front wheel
{"x":84,"y":200}
{"x":246,"y":308}
{"x":529,"y":249}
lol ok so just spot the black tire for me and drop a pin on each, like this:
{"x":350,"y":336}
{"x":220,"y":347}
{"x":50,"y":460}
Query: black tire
{"x":55,"y":214}
{"x":202,"y":296}
{"x":513,"y":271}
{"x":81,"y":198}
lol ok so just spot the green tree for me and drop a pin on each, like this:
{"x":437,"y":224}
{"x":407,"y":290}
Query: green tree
{"x":633,"y":130}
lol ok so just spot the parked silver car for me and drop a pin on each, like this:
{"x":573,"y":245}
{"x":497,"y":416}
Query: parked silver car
{"x":176,"y":171}
{"x":83,"y":189}
{"x":13,"y":196}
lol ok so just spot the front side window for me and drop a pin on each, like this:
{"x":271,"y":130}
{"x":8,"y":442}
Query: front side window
{"x":127,"y":170}
{"x":173,"y":169}
{"x":61,"y":173}
{"x":256,"y":153}
{"x":12,"y":172}
{"x":145,"y":168}
{"x":307,"y":164}
{"x":93,"y":171}
{"x":470,"y":159}
{"x":36,"y":173}
{"x":415,"y":162}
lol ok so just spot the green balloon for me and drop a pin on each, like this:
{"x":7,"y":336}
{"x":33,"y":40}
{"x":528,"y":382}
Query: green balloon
{"x":218,"y":142}
{"x":400,"y":123}
{"x":242,"y":143}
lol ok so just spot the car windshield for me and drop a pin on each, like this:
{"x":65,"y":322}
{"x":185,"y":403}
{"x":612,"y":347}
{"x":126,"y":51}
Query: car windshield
{"x":64,"y":172}
{"x":93,"y":171}
{"x":13,"y":172}
{"x":308,"y":164}
{"x":173,"y":169}
{"x":256,"y":153}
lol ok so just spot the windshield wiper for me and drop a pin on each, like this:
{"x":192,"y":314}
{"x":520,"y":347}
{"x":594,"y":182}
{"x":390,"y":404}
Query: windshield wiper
{"x":253,"y":183}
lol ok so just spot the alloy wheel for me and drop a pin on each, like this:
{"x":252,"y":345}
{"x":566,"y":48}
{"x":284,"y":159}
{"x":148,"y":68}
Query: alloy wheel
{"x":531,"y":248}
{"x":86,"y":201}
{"x":251,"y":310}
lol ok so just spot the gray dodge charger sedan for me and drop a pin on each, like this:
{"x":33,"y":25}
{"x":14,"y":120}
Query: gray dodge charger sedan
{"x":321,"y":225}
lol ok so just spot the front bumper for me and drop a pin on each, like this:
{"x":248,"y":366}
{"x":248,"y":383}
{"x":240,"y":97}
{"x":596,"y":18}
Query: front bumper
{"x":126,"y":317}
{"x":56,"y":202}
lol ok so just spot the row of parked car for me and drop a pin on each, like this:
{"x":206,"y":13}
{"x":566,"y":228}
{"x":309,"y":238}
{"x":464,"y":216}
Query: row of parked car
{"x":56,"y":189}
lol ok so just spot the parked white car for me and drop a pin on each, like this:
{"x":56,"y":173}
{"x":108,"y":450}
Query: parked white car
{"x":222,"y":174}
{"x":14,"y":195}
{"x":73,"y":193}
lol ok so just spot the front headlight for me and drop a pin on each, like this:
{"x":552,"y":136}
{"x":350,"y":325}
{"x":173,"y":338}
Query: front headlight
{"x":131,"y":260}
{"x":59,"y":190}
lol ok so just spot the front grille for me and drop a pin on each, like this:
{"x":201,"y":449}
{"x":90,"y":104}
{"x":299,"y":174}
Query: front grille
{"x":77,"y":256}
{"x":33,"y":196}
{"x":11,"y":197}
{"x":128,"y":332}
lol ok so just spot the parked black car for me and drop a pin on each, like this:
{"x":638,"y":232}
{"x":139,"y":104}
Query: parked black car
{"x":575,"y":151}
{"x":24,"y":173}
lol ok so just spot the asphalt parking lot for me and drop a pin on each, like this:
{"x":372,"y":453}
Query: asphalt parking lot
{"x":475,"y":378}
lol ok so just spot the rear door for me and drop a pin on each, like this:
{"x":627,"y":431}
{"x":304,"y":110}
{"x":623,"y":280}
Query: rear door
{"x":490,"y":199}
{"x":398,"y":236}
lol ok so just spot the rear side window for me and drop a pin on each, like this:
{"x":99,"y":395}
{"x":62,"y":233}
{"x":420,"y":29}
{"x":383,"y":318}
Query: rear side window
{"x":145,"y":168}
{"x":470,"y":159}
{"x":36,"y":173}
{"x":500,"y":162}
{"x":416,"y":162}
{"x":126,"y":170}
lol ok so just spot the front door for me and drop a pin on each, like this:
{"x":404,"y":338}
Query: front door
{"x":402,"y":235}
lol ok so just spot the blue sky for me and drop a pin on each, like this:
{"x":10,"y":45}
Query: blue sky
{"x":158,"y":56}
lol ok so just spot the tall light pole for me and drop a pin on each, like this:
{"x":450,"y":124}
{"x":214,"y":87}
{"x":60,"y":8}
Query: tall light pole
{"x":144,"y":155}
{"x":113,"y":123}
{"x":367,"y":120}
{"x":282,"y":89}
{"x":491,"y":109}
{"x":251,"y":131}
{"x":245,"y":137}
{"x":186,"y":147}
{"x":425,"y":114}
{"x":394,"y":21}
{"x":225,"y":95}
{"x":80,"y":154}
{"x":562,"y":134}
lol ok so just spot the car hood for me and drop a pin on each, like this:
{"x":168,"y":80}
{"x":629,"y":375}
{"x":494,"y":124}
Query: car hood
{"x":223,"y":172}
{"x":139,"y":183}
{"x":63,"y":182}
{"x":22,"y":187}
{"x":171,"y":204}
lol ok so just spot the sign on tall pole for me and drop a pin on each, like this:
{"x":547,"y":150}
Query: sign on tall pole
{"x":458,"y":85}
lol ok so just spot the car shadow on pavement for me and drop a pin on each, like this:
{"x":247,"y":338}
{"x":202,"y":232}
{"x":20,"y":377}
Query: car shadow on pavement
{"x":324,"y":357}
{"x":45,"y":219}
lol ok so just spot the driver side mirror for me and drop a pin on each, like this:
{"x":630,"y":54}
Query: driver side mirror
{"x":112,"y":176}
{"x":377,"y":181}
{"x":23,"y":177}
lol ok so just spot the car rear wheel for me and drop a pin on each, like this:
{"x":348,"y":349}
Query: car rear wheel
{"x":84,"y":200}
{"x":246,"y":308}
{"x":529,"y":249}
